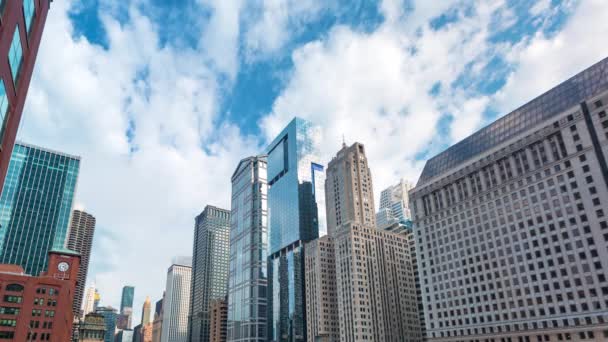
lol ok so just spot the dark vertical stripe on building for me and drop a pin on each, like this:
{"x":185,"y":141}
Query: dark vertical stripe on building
{"x":596,"y":142}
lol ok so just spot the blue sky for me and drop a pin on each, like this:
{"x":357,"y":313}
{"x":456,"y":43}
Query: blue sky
{"x":162,"y":98}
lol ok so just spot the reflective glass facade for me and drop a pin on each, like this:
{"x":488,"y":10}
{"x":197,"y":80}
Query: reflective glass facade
{"x":210,"y":266}
{"x":292,"y":220}
{"x":35,"y":205}
{"x":566,"y":95}
{"x":247,"y":299}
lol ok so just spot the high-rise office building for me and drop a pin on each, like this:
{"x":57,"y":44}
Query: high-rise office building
{"x":321,"y":294}
{"x":248,"y":280}
{"x":126,"y":307}
{"x":109,"y":316}
{"x":394,"y":205}
{"x":22,"y":26}
{"x":293,"y":173}
{"x":145,"y":311}
{"x":176,"y":302}
{"x":125,"y":335}
{"x":35,"y":205}
{"x":218,"y":319}
{"x":374,"y":281}
{"x":511,"y":225}
{"x":80,"y":239}
{"x":157,"y":323}
{"x":210,"y":267}
{"x":89,"y":301}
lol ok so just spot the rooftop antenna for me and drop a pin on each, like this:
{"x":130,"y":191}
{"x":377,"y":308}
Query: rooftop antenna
{"x":343,"y":141}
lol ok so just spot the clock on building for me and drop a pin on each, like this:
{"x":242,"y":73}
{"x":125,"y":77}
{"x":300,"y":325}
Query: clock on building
{"x":63,"y":266}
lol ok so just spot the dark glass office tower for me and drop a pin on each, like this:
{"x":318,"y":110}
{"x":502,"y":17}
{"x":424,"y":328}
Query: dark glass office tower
{"x":126,"y":305}
{"x":292,"y":220}
{"x":35,"y":205}
{"x":210,"y":266}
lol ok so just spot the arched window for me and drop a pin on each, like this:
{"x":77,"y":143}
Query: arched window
{"x":14,"y":287}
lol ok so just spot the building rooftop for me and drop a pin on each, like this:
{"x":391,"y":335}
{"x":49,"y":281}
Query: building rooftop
{"x":568,"y":94}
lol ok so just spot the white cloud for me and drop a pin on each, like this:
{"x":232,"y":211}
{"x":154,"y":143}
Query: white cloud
{"x":82,"y":100}
{"x":543,"y":61}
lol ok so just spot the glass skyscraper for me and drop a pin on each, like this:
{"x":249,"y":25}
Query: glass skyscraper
{"x":35,"y":205}
{"x":247,"y":289}
{"x":293,"y":172}
{"x":210,"y":265}
{"x":126,"y":306}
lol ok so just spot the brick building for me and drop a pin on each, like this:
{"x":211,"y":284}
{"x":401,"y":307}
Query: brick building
{"x":39,"y":308}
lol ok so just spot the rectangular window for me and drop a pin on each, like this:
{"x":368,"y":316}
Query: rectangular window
{"x":15,"y":55}
{"x":3,"y":110}
{"x":29,"y":10}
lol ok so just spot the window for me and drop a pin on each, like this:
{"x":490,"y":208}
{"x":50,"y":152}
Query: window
{"x":29,"y":10}
{"x":14,"y":287}
{"x":8,"y":322}
{"x":15,"y":55}
{"x":13,"y":299}
{"x":5,"y":310}
{"x":3,"y":110}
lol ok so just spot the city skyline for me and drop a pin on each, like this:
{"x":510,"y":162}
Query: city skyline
{"x":125,"y":149}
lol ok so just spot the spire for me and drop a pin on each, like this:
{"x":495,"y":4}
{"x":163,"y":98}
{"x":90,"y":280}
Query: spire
{"x":343,"y":141}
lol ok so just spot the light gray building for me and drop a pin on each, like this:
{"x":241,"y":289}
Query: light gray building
{"x":374,"y":288}
{"x":511,"y":225}
{"x":210,"y":266}
{"x":176,"y":301}
{"x":248,"y":280}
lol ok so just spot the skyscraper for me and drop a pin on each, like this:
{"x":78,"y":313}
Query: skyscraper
{"x":145,"y":311}
{"x":210,"y":266}
{"x":394,"y":204}
{"x":374,"y":283}
{"x":109,"y":316}
{"x":80,"y":239}
{"x":511,"y":222}
{"x":35,"y":205}
{"x":157,"y":324}
{"x":176,"y":302}
{"x":22,"y":26}
{"x":218,"y":312}
{"x":248,"y":281}
{"x":89,"y":301}
{"x":126,"y":305}
{"x":293,"y":169}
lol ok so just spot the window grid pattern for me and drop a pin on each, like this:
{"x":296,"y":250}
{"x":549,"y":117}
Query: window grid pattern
{"x":15,"y":55}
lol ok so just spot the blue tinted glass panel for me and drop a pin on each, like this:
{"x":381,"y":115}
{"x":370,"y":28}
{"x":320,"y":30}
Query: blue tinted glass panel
{"x":29,"y":9}
{"x":15,"y":54}
{"x":3,"y":108}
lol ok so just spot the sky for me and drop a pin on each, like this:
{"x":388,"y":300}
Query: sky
{"x":162,"y":98}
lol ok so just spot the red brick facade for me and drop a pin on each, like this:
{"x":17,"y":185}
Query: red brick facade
{"x":39,"y":308}
{"x":11,"y":17}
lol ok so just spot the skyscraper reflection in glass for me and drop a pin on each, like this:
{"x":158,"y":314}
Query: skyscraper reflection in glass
{"x":35,"y":205}
{"x":293,"y":219}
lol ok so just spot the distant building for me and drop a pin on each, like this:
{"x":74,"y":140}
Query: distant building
{"x":137,"y":333}
{"x":511,"y":223}
{"x":176,"y":302}
{"x":394,"y":205}
{"x":248,"y":281}
{"x":218,"y":312}
{"x":321,"y":293}
{"x":146,"y":333}
{"x":294,"y":173}
{"x":122,"y":321}
{"x":210,"y":266}
{"x":80,"y":239}
{"x":145,"y":312}
{"x":124,"y":336}
{"x":35,"y":206}
{"x":22,"y":26}
{"x":92,"y":328}
{"x":157,"y":323}
{"x":89,"y":301}
{"x":39,"y":307}
{"x":109,"y":316}
{"x":126,"y":305}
